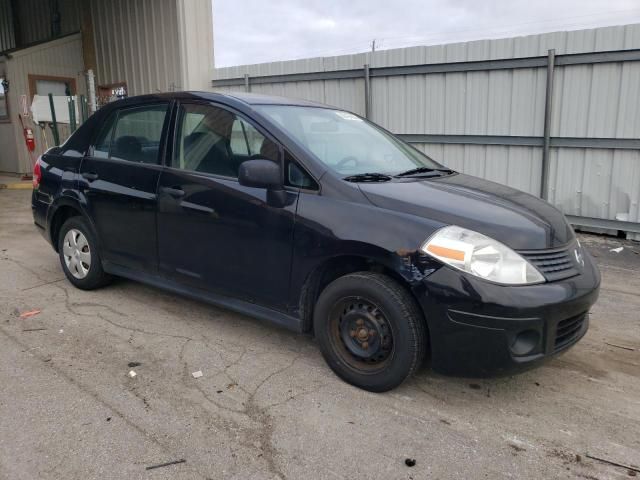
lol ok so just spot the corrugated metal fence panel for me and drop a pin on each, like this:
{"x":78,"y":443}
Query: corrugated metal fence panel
{"x":60,"y":58}
{"x":578,"y":41}
{"x":597,"y":101}
{"x":502,"y":102}
{"x":584,"y":182}
{"x":135,"y":42}
{"x":590,"y":101}
{"x":347,"y":94}
{"x":599,"y":183}
{"x":273,"y":68}
{"x":7,"y":40}
{"x":517,"y":167}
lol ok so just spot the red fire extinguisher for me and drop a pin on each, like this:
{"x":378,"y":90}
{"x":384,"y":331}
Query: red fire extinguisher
{"x":29,"y":139}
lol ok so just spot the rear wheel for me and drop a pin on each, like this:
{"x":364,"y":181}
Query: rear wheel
{"x":370,"y":330}
{"x":79,"y":255}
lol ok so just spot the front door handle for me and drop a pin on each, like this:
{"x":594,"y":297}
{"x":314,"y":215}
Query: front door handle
{"x":91,"y":176}
{"x":173,"y":191}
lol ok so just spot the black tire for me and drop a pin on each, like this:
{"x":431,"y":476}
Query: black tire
{"x":370,"y":302}
{"x":95,"y":276}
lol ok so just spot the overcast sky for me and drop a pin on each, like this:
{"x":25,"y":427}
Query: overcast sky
{"x":256,"y":31}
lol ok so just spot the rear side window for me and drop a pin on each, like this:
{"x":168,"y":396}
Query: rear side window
{"x":133,"y":134}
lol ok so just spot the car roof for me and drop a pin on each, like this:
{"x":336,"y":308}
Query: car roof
{"x":229,"y":98}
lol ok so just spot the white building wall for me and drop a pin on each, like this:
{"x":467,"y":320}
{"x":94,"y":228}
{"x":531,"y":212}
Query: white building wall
{"x":153,"y":45}
{"x":8,"y":154}
{"x":60,"y":58}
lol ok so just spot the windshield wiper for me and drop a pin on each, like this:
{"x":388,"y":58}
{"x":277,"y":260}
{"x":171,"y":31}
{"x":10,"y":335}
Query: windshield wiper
{"x":368,"y":177}
{"x":436,"y":172}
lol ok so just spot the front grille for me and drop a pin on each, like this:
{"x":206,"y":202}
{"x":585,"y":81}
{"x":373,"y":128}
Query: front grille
{"x":554,"y":264}
{"x":568,"y":330}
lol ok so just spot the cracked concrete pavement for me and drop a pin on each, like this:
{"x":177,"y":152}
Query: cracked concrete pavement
{"x":267,"y":406}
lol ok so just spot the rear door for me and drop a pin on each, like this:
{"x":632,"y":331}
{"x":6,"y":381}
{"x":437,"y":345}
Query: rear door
{"x":214,"y":233}
{"x":119,"y":177}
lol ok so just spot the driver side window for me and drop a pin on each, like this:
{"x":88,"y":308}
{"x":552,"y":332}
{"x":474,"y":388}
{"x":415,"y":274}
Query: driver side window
{"x":214,"y":140}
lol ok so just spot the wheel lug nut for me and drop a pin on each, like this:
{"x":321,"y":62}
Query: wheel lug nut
{"x":360,"y":322}
{"x":352,"y":333}
{"x":365,"y":345}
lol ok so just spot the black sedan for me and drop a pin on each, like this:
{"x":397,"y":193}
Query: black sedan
{"x":320,"y":221}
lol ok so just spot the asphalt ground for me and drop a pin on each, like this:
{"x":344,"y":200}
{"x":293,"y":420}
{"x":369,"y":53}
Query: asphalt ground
{"x":267,"y":406}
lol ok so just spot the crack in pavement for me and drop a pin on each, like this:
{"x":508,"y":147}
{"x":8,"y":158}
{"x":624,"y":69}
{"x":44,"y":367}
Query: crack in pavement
{"x":75,"y":308}
{"x":258,"y":415}
{"x":95,"y":396}
{"x":260,"y":435}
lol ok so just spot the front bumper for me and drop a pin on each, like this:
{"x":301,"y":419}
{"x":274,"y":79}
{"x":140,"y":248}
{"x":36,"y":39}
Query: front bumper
{"x":482,"y":329}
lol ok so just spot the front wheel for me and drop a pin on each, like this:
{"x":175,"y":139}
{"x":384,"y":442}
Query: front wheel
{"x":370,"y":330}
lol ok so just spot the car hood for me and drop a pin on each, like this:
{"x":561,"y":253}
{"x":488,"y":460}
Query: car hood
{"x":515,"y":218}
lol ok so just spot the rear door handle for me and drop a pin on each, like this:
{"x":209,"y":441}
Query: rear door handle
{"x":174,"y":192}
{"x":90,"y":176}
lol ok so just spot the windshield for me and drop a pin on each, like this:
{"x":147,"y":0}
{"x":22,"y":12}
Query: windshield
{"x":345,"y":142}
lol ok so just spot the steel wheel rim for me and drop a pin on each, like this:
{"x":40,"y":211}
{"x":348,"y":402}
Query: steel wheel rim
{"x":76,"y":253}
{"x":347,"y":320}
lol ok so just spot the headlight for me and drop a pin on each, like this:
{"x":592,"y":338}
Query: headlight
{"x":481,"y":256}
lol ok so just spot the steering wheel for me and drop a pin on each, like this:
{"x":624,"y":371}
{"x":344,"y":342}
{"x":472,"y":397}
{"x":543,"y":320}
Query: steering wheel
{"x":345,"y":161}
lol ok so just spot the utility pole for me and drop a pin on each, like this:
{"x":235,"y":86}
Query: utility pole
{"x":373,"y":46}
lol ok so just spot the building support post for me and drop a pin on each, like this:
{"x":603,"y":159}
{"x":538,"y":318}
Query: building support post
{"x":86,"y":30}
{"x":548,"y":106}
{"x":195,"y":43}
{"x":367,"y":92}
{"x":247,"y":86}
{"x":91,"y":92}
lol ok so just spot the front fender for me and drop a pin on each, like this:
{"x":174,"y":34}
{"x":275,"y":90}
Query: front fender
{"x":328,"y":228}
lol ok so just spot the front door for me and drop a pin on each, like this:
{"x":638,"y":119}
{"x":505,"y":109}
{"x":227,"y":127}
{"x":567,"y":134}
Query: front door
{"x":214,"y":233}
{"x":119,"y":177}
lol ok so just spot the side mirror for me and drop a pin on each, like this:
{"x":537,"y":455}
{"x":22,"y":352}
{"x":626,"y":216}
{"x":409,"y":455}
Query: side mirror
{"x":260,"y":173}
